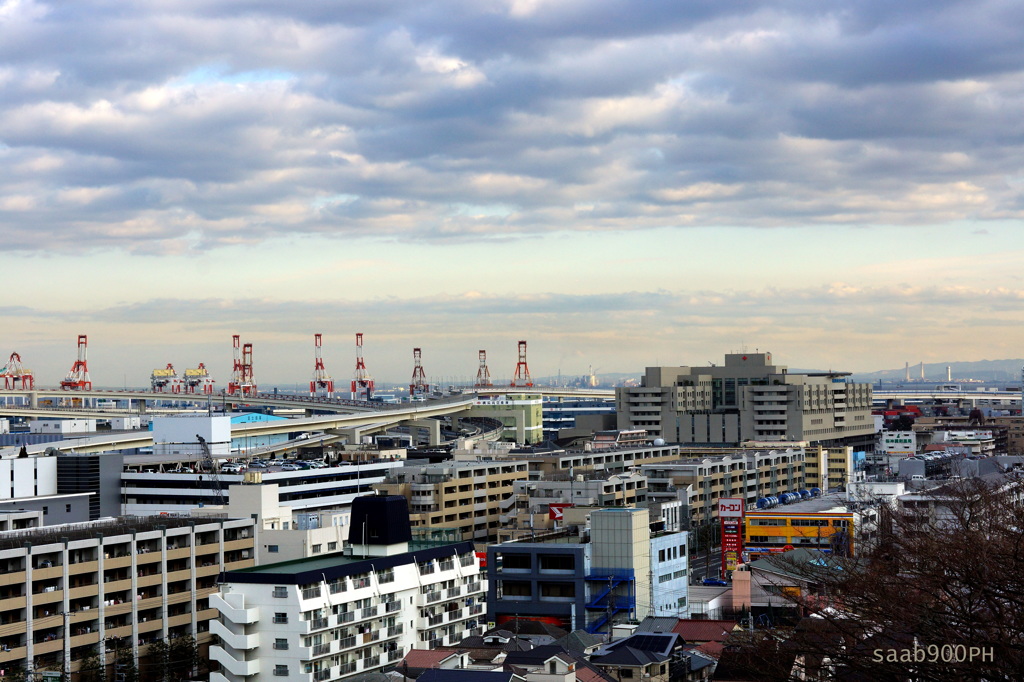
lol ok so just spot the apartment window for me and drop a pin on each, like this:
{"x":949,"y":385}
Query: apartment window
{"x":67,"y":508}
{"x":281,"y":670}
{"x":281,"y":644}
{"x":317,"y":549}
{"x":272,"y":548}
{"x":46,"y":510}
{"x":280,"y":618}
{"x":281,"y":591}
{"x":331,"y":546}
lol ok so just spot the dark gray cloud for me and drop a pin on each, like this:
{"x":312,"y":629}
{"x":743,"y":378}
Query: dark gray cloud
{"x":136,"y":123}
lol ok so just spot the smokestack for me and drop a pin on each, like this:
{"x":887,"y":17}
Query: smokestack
{"x":949,"y":373}
{"x":907,"y":378}
{"x":922,"y":370}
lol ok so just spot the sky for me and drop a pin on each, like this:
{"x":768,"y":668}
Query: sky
{"x":621,"y":184}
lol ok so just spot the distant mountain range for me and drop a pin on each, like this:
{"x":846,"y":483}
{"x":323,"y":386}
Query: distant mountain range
{"x":993,"y":371}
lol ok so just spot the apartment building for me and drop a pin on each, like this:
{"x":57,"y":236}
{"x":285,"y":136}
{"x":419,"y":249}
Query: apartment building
{"x":282,"y":534}
{"x":71,"y":591}
{"x":592,"y":585}
{"x":544,"y":463}
{"x":746,"y":474}
{"x":537,"y":505}
{"x":829,"y":468}
{"x":340,"y":615}
{"x":466,"y":495}
{"x":747,"y":398}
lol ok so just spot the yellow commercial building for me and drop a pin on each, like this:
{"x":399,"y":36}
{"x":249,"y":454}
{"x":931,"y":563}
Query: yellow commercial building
{"x":824,"y":523}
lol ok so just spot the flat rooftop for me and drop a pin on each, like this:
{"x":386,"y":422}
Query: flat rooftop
{"x":829,"y":503}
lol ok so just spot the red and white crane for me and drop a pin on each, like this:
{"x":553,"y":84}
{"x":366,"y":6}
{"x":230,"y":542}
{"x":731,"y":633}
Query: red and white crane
{"x":418,"y":386}
{"x":483,"y":375}
{"x":521,"y":379}
{"x":78,"y":378}
{"x":242,"y":382}
{"x":362,"y":384}
{"x":166,"y":378}
{"x":321,"y":379}
{"x":198,"y":380}
{"x":16,"y":376}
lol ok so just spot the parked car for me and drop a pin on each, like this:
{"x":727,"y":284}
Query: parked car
{"x":257,"y":465}
{"x":291,"y":467}
{"x":714,"y":582}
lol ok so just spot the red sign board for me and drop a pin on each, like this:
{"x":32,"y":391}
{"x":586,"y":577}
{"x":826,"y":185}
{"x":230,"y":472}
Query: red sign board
{"x":732,"y":543}
{"x":556,"y":511}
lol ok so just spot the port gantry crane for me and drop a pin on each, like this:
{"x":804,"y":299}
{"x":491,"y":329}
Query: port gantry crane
{"x":15,"y":375}
{"x":321,"y":379}
{"x":78,"y":378}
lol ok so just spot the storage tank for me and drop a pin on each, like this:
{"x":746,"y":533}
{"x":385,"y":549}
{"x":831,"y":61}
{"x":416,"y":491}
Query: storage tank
{"x":816,"y":492}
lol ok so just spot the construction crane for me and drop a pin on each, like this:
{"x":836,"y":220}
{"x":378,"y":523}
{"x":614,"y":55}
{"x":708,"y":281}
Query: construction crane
{"x":198,"y":380}
{"x":78,"y":378}
{"x":16,"y":376}
{"x":321,"y":379}
{"x":164,"y":378}
{"x":209,"y":466}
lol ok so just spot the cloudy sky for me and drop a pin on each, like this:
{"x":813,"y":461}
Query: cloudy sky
{"x":620,"y":183}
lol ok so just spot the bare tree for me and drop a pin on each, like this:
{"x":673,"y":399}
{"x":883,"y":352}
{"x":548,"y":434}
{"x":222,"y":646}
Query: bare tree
{"x":939,"y":596}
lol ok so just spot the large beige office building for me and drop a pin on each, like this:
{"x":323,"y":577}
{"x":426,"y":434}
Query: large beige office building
{"x":747,"y":399}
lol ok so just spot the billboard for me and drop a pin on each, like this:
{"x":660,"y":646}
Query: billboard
{"x":732,"y":543}
{"x":556,"y":510}
{"x":731,"y":507}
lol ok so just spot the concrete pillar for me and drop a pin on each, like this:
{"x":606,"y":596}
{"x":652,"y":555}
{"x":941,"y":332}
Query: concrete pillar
{"x":433,"y":427}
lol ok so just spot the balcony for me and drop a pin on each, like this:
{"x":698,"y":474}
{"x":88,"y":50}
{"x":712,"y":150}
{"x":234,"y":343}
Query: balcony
{"x":433,"y":597}
{"x":368,"y":612}
{"x":117,"y":562}
{"x":322,"y":675}
{"x":233,"y":665}
{"x":235,"y":641}
{"x":315,"y":624}
{"x":321,"y":649}
{"x":392,"y":606}
{"x":454,"y":592}
{"x":394,"y":631}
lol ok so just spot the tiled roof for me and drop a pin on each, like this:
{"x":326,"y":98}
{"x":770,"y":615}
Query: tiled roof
{"x":704,"y":630}
{"x":425,"y":658}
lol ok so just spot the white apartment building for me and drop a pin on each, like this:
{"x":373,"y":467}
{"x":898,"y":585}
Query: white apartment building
{"x":282,"y":534}
{"x":332,"y":617}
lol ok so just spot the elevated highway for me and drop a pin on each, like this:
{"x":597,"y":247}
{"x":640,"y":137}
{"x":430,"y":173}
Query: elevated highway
{"x":409,"y":412}
{"x":91,"y":400}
